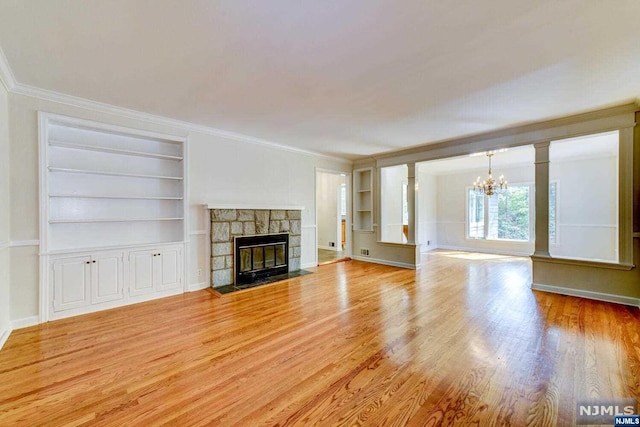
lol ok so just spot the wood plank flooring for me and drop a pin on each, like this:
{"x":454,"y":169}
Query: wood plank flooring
{"x":463,"y":342}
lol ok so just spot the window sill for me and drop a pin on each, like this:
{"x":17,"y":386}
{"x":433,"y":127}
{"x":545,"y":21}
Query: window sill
{"x":582,"y":263}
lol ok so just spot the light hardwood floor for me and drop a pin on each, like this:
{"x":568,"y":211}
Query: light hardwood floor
{"x":464,"y":341}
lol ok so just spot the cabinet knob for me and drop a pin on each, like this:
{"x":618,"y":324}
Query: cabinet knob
{"x":94,"y":261}
{"x":88,"y":262}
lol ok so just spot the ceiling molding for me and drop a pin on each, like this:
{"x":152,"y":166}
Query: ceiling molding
{"x":603,"y":120}
{"x":114,"y":110}
{"x":6,"y":75}
{"x":60,"y":98}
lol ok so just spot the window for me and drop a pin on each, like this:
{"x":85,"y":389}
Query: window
{"x":506,"y":216}
{"x":475,"y":215}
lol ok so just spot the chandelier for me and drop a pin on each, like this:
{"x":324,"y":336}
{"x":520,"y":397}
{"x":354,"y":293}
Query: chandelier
{"x":490,"y":186}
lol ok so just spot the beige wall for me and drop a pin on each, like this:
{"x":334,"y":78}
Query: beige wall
{"x":5,"y":297}
{"x":427,"y":209}
{"x":219,"y":170}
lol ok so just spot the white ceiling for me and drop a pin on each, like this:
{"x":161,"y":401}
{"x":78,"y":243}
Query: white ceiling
{"x":343,"y":77}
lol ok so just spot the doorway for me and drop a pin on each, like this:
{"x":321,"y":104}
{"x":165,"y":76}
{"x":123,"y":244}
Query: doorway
{"x":332,"y":216}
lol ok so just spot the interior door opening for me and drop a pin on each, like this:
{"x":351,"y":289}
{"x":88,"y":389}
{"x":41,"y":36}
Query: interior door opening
{"x":332,"y":217}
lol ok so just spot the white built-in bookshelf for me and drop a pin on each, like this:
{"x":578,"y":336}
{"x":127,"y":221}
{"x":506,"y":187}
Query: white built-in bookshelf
{"x":363,"y":199}
{"x":106,"y":188}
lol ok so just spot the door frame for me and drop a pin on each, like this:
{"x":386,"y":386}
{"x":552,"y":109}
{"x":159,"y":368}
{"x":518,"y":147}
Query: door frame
{"x":348,"y":223}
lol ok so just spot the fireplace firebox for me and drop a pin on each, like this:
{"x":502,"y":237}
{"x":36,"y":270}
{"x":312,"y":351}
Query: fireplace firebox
{"x":261,"y":256}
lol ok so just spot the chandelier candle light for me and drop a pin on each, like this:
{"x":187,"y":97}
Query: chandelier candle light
{"x":490,"y":186}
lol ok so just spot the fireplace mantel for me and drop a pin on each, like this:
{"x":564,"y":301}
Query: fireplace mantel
{"x":255,"y":207}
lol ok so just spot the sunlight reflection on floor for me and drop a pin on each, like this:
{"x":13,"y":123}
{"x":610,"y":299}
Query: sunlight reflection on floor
{"x":474,"y":256}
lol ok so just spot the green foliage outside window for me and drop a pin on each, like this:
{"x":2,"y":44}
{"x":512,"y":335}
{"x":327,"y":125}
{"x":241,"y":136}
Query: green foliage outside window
{"x":513,"y":213}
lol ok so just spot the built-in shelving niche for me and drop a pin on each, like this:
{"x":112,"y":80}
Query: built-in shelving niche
{"x":112,"y":188}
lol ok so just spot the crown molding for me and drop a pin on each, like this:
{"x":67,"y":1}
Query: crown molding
{"x":74,"y":101}
{"x":9,"y":81}
{"x":6,"y":75}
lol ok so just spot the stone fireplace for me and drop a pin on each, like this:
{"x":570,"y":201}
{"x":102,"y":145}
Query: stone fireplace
{"x":227,"y":224}
{"x":259,"y":257}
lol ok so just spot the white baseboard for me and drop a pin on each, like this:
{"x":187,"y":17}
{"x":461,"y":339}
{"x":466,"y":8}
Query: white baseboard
{"x":25,"y":322}
{"x":328,"y":248}
{"x":309,"y":265}
{"x":424,"y":249}
{"x":197,"y":286}
{"x":599,"y":296}
{"x":4,"y":337}
{"x":483,"y":250}
{"x":386,"y":262}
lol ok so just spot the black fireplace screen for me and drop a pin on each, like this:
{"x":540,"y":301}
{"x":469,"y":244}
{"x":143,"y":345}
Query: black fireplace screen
{"x":257,"y":257}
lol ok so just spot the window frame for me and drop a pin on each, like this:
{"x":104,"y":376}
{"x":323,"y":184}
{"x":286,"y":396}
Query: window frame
{"x":531,"y":187}
{"x":556,"y":242}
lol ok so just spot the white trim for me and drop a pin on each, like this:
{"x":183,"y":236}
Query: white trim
{"x":197,"y":232}
{"x":197,"y":286}
{"x":61,"y":98}
{"x":486,"y":250}
{"x":308,"y":265}
{"x":113,"y":247}
{"x":329,"y":248}
{"x":44,"y":297}
{"x":255,"y":207}
{"x":386,"y":262}
{"x":6,"y":75}
{"x":598,"y":296}
{"x":587,"y":225}
{"x":19,"y":243}
{"x":4,"y":337}
{"x":106,"y":127}
{"x":25,"y":322}
{"x":5,"y":245}
{"x":186,"y":223}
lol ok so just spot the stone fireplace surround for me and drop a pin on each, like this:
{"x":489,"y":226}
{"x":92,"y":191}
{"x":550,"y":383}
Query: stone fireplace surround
{"x":227,"y":223}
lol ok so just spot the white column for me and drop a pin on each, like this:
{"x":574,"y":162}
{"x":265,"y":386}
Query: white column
{"x":412,"y":206}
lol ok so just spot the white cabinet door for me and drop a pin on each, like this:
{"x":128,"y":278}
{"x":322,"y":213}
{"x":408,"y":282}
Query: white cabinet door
{"x":141,"y":272}
{"x":71,"y":282}
{"x":107,"y":280}
{"x":169,"y":268}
